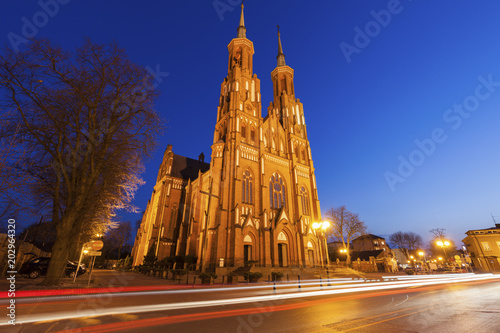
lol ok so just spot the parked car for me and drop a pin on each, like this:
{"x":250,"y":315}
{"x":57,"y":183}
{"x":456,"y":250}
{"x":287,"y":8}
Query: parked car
{"x":38,"y":266}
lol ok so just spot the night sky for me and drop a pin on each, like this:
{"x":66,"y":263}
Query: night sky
{"x":401,"y":98}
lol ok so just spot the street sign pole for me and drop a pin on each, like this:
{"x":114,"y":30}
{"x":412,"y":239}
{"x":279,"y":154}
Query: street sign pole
{"x":79,"y":261}
{"x":91,"y":269}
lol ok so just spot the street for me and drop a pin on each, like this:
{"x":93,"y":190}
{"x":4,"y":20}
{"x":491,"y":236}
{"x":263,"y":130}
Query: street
{"x":438,"y":303}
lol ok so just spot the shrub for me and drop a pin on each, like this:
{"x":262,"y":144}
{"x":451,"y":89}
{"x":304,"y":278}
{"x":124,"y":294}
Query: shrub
{"x":252,"y":275}
{"x":127,"y":262}
{"x":276,"y":276}
{"x":150,"y":259}
{"x":179,"y":271}
{"x":167,"y":262}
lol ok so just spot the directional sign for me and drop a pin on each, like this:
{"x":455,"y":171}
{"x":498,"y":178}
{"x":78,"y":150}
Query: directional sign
{"x":94,"y":253}
{"x":97,"y":245}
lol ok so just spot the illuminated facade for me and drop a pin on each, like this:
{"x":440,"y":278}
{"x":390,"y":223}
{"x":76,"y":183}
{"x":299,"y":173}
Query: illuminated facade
{"x":256,"y":201}
{"x":483,"y":246}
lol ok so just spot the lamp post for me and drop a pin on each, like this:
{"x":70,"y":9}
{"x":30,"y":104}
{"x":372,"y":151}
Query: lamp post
{"x":444,"y":243}
{"x":422,"y":258}
{"x":322,"y":226}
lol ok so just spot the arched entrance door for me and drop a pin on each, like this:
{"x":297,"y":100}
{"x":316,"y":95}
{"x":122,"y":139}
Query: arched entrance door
{"x":310,"y":253}
{"x":247,"y":249}
{"x":282,"y":250}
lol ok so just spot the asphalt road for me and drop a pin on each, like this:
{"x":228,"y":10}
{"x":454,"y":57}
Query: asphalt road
{"x":426,"y":304}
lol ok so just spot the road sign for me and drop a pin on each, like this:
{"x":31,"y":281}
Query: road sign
{"x":94,"y":253}
{"x":97,"y":245}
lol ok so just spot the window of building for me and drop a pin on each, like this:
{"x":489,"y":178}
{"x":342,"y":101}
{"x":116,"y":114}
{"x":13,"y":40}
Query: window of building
{"x":247,"y":190}
{"x":486,"y":246}
{"x":305,"y":201}
{"x":252,"y":134}
{"x":243,"y":131}
{"x":277,"y":192}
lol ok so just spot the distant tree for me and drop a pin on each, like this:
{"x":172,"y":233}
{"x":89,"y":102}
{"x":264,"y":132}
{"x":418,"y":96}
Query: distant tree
{"x":440,"y":250}
{"x":413,"y":241}
{"x":439,"y":233}
{"x":406,"y":240}
{"x":118,"y":237}
{"x":85,"y":123}
{"x":345,"y":227}
{"x":42,"y":235}
{"x":398,"y":239}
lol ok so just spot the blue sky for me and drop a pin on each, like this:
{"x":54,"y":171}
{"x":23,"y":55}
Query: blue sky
{"x":365,"y":110}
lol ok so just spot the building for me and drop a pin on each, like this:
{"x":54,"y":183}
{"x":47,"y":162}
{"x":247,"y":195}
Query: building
{"x":370,"y":242}
{"x":483,"y":246}
{"x":375,"y":247}
{"x":402,"y":257}
{"x":255,"y":203}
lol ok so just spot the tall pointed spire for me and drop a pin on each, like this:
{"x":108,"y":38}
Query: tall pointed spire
{"x":242,"y":31}
{"x":281,"y":55}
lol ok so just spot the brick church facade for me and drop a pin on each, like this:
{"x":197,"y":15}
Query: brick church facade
{"x":256,"y":201}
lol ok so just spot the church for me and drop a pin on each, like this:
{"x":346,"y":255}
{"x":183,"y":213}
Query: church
{"x":256,"y":202}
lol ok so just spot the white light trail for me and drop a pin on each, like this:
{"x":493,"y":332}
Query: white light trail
{"x":336,"y":290}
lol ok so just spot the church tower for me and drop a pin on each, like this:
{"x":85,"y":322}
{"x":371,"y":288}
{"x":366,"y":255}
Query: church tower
{"x":263,"y":192}
{"x":256,"y":202}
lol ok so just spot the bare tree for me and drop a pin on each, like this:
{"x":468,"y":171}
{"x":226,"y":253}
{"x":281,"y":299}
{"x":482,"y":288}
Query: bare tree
{"x":86,"y":122}
{"x":345,"y":226}
{"x":440,"y":237}
{"x":398,"y":238}
{"x":439,"y":233}
{"x":413,"y":241}
{"x":406,"y":240}
{"x":13,"y":198}
{"x":119,"y":236}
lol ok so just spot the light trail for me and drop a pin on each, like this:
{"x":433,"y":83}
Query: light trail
{"x":327,"y":284}
{"x":242,"y":300}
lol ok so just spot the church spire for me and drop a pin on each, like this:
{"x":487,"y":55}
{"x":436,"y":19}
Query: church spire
{"x":281,"y":55}
{"x":242,"y":31}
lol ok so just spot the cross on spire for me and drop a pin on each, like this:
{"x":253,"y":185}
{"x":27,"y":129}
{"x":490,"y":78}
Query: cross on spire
{"x":281,"y":55}
{"x":241,"y":29}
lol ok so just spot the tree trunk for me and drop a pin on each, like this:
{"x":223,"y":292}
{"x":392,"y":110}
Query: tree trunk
{"x":60,"y":251}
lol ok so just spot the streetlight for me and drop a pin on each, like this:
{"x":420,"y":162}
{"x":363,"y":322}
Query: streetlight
{"x":443,"y":243}
{"x":422,"y":259}
{"x":322,"y":226}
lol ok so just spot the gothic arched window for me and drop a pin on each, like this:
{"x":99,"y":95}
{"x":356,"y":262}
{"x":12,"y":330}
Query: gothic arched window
{"x":244,"y":131}
{"x":305,"y":200}
{"x":277,"y":192}
{"x":247,"y":190}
